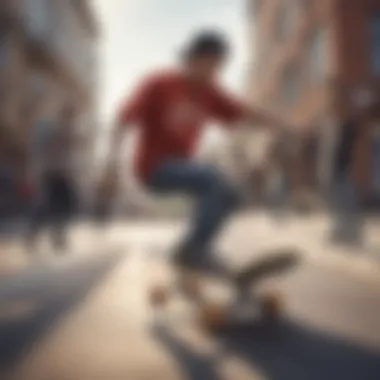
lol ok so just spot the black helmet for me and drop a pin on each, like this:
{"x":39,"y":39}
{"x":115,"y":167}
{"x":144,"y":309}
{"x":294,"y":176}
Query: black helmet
{"x":209,"y":42}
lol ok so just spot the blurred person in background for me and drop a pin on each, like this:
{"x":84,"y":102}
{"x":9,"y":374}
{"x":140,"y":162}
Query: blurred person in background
{"x":281,"y":194}
{"x":348,"y":221}
{"x":6,"y":187}
{"x":376,"y":169}
{"x":55,"y":202}
{"x":171,"y":109}
{"x":104,"y":193}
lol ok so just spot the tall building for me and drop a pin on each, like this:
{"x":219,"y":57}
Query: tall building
{"x":51,"y":59}
{"x":317,"y":62}
{"x":12,"y":79}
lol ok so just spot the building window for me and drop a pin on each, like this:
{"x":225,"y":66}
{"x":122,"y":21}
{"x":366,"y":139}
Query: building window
{"x":375,"y":43}
{"x":291,"y":85}
{"x":318,"y":55}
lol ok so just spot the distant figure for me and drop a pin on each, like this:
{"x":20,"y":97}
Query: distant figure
{"x":280,"y":156}
{"x":348,"y":223}
{"x":104,"y":195}
{"x":52,"y":159}
{"x":6,"y":190}
{"x":376,"y":169}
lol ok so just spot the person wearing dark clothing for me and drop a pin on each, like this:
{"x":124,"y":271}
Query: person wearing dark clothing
{"x":348,"y":223}
{"x":56,"y":199}
{"x":345,"y":149}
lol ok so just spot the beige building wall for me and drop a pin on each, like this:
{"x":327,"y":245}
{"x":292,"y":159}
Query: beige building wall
{"x":51,"y":59}
{"x":313,"y":59}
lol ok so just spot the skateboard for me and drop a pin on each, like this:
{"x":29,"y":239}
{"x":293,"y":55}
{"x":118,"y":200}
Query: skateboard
{"x":234,"y":298}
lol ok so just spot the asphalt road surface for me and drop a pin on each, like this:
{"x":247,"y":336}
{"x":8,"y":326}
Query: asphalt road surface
{"x":90,"y":319}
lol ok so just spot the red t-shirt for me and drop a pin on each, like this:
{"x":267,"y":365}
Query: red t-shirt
{"x":171,"y":113}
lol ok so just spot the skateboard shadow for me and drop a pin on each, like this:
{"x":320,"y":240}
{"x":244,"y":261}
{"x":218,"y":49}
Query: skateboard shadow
{"x":288,"y":352}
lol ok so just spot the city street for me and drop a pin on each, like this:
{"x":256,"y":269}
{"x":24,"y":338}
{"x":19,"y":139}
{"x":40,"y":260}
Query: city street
{"x":128,"y":111}
{"x":86,"y":316}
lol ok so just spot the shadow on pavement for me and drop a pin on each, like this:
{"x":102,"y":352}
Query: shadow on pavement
{"x":288,"y":352}
{"x":193,"y":365}
{"x":51,"y":294}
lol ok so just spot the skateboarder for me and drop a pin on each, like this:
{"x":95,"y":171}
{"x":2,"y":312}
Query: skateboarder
{"x":171,"y":108}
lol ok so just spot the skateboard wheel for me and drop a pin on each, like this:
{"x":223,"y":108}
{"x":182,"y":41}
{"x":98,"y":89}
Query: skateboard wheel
{"x":159,"y":296}
{"x":213,"y":317}
{"x":271,"y":305}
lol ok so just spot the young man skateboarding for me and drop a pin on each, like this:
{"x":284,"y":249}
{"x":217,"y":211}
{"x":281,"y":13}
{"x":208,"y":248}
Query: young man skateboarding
{"x":171,"y":109}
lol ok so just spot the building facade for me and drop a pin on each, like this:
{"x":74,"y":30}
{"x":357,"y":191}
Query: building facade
{"x":51,"y":61}
{"x":12,"y":79}
{"x":316,"y":64}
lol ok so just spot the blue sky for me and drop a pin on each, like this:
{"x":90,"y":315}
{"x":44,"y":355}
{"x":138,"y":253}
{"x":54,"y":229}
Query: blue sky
{"x":141,"y":35}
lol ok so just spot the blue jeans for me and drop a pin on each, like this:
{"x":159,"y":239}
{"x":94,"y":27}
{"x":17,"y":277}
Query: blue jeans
{"x":216,"y":198}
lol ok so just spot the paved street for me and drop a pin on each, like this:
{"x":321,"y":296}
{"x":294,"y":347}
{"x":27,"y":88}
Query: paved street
{"x":87,"y":316}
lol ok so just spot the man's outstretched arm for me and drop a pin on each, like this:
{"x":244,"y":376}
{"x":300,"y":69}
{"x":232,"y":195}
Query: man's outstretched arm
{"x":231,"y":110}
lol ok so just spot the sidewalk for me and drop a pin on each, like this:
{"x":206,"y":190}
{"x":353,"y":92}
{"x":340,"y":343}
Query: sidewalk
{"x":84,"y":240}
{"x":115,"y":334}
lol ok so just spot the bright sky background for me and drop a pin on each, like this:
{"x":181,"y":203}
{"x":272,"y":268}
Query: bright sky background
{"x":140,"y":35}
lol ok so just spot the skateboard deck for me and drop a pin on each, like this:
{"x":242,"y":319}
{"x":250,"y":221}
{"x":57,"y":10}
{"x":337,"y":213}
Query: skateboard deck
{"x":240,"y":301}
